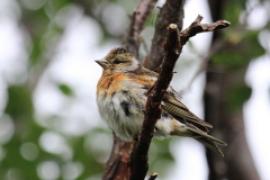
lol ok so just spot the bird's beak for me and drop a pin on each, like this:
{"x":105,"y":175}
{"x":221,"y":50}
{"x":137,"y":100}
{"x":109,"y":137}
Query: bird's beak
{"x":102,"y":63}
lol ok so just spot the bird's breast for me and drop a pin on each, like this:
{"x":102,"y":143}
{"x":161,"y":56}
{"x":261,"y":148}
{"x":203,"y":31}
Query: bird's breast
{"x":121,"y":100}
{"x":110,"y":83}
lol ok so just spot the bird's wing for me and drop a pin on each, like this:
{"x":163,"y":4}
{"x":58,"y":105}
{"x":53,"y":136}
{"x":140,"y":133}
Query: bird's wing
{"x":172,"y":104}
{"x":194,"y":126}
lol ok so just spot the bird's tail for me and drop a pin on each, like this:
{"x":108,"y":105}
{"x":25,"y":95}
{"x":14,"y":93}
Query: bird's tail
{"x":209,"y":141}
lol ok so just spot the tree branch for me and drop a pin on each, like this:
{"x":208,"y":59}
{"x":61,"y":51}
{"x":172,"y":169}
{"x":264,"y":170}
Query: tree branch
{"x":171,"y":12}
{"x":137,"y":23}
{"x":197,"y":27}
{"x":152,"y":109}
{"x":117,"y":167}
{"x":172,"y":50}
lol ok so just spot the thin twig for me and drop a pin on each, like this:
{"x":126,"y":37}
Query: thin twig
{"x":197,"y":27}
{"x":137,"y":23}
{"x":152,"y":109}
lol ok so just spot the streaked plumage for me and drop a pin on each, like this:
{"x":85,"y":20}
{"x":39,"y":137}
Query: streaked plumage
{"x":121,"y":97}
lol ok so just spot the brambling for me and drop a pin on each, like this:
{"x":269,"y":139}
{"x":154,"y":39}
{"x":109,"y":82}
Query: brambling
{"x":121,"y":98}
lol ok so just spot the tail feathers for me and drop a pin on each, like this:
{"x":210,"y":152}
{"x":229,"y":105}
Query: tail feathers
{"x":212,"y":146}
{"x":209,"y":141}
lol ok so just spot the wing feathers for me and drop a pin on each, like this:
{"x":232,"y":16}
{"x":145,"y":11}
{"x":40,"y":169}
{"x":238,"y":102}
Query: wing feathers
{"x":176,"y":108}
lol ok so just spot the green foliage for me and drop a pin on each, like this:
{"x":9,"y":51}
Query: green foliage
{"x":237,"y":96}
{"x":60,"y":3}
{"x":241,"y":45}
{"x":37,"y":22}
{"x":15,"y":161}
{"x":161,"y":158}
{"x":240,"y":48}
{"x":232,"y":11}
{"x":36,"y":51}
{"x":19,"y":105}
{"x":91,"y":165}
{"x":65,"y":89}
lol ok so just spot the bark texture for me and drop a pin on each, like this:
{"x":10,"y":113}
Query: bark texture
{"x":118,"y":166}
{"x":171,"y":12}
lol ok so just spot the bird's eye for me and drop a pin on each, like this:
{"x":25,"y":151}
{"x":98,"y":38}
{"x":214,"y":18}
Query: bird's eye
{"x":117,"y":61}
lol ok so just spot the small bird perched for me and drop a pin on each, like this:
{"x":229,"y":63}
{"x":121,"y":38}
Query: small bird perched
{"x":121,"y":98}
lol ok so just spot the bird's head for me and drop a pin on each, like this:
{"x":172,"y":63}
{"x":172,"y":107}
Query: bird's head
{"x":119,"y":59}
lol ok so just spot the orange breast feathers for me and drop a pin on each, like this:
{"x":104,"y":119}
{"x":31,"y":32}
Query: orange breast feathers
{"x":110,"y":83}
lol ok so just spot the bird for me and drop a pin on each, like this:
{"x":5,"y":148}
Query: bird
{"x":121,"y":98}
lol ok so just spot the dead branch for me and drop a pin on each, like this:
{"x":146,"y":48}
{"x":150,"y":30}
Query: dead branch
{"x":197,"y":27}
{"x":137,"y":23}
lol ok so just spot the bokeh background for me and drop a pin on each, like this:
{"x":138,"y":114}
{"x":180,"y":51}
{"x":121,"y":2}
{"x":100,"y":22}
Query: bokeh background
{"x":49,"y":124}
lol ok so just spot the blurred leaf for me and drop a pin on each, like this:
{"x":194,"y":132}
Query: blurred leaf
{"x":232,"y":11}
{"x":237,"y":96}
{"x":92,"y":167}
{"x":36,"y":23}
{"x":36,"y":52}
{"x":14,"y":160}
{"x":19,"y":103}
{"x":65,"y":89}
{"x":20,"y":108}
{"x":161,"y":158}
{"x":239,"y":50}
{"x":60,"y":3}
